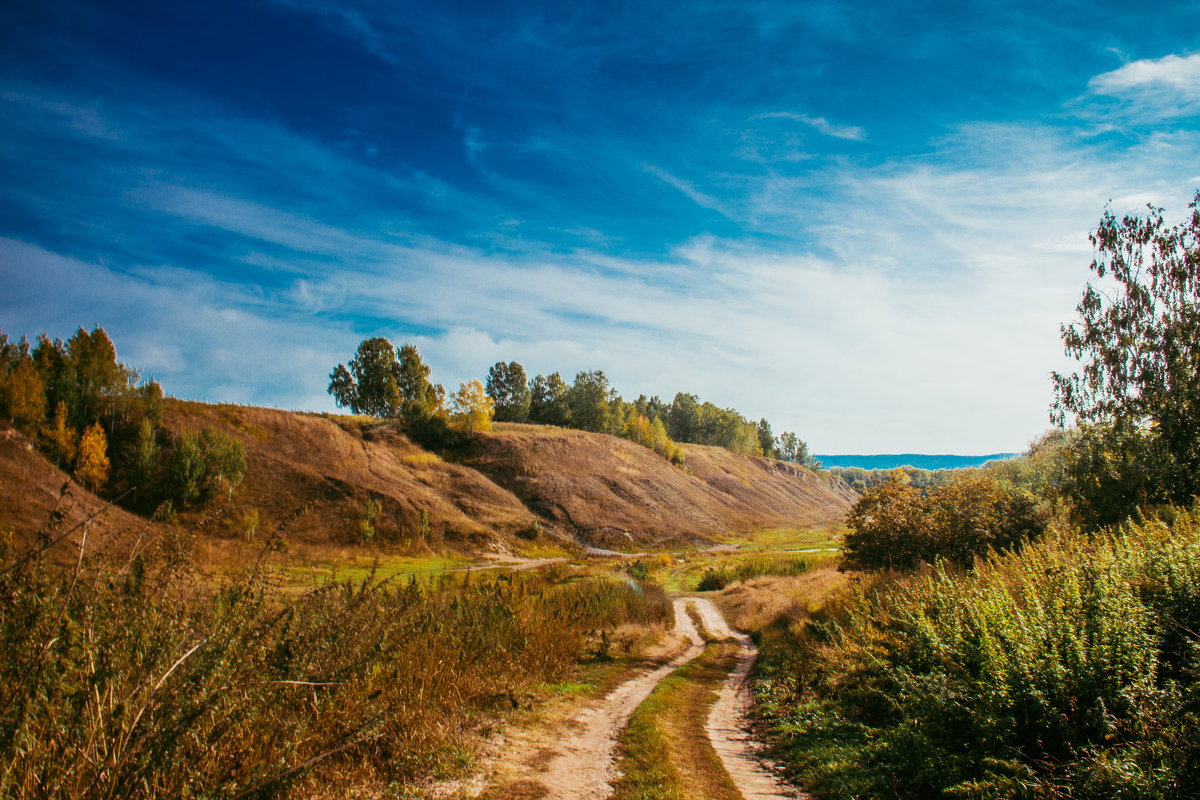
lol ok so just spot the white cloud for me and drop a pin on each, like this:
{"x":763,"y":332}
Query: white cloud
{"x":1170,"y":85}
{"x":691,"y":192}
{"x":1181,"y":73}
{"x":821,"y":125}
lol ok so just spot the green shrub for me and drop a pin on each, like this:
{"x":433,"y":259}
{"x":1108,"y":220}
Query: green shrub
{"x":1065,"y":670}
{"x":898,"y":526}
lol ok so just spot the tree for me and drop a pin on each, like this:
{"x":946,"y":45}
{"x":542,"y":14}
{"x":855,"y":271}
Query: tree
{"x":344,"y":388}
{"x":186,"y":470}
{"x":788,"y":443}
{"x":896,"y":525}
{"x":508,"y":386}
{"x":548,"y":400}
{"x":224,"y":461}
{"x":145,"y":458}
{"x":61,"y":436}
{"x":1138,"y":339}
{"x":370,"y":385}
{"x":24,"y":397}
{"x":420,"y":397}
{"x":472,"y":407}
{"x":683,"y":421}
{"x":589,"y":399}
{"x":766,"y":440}
{"x":91,"y":467}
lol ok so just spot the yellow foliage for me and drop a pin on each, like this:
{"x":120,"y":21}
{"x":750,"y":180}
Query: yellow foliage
{"x":472,"y":408}
{"x":62,"y":436}
{"x":92,"y":465}
{"x":25,"y":396}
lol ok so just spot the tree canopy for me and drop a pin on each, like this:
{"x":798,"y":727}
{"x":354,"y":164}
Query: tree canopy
{"x":1137,"y":392}
{"x":509,"y":388}
{"x":383,"y":381}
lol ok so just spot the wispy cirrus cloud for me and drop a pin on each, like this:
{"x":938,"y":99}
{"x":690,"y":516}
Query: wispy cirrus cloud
{"x":821,"y":125}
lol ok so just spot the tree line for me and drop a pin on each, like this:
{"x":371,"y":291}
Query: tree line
{"x":385,"y":381}
{"x":97,"y":418}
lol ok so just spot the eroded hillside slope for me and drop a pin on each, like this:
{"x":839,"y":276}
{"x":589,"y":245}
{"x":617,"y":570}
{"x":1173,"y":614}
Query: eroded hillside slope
{"x":614,"y":493}
{"x":318,"y":475}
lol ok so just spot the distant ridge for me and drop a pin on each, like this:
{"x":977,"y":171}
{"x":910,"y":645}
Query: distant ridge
{"x":918,"y":460}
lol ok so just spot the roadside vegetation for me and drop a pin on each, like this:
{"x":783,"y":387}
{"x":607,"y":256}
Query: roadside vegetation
{"x":1028,"y":629}
{"x":135,"y":674}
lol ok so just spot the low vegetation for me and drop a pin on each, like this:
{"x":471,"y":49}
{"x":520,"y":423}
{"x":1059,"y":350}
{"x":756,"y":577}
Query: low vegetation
{"x":665,"y":752}
{"x":976,"y":656}
{"x":1065,"y":670}
{"x":898,"y":526}
{"x":136,"y":675}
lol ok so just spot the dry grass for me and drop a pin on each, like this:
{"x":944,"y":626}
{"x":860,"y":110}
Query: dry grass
{"x":137,"y":677}
{"x":775,"y":600}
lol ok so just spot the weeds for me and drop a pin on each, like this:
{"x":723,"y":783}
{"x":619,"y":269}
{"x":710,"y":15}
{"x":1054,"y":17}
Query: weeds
{"x":132,"y":676}
{"x":1067,"y":670}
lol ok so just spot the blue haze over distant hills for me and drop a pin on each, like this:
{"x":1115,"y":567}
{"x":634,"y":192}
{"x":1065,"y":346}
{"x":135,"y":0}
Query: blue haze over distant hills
{"x":918,"y":460}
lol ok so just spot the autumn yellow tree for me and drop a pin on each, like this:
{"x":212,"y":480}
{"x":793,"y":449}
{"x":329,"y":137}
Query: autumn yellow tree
{"x":24,"y":396}
{"x":92,"y":465}
{"x":61,"y":436}
{"x":472,"y":408}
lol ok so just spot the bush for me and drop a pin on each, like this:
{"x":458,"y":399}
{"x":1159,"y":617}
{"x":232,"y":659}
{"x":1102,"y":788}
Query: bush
{"x":897,"y":526}
{"x":1065,"y":670}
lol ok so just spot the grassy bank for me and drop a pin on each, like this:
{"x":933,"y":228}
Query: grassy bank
{"x":1068,"y":670}
{"x":135,"y":675}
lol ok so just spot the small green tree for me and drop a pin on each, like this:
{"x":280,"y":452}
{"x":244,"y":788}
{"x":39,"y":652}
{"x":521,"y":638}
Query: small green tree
{"x":224,"y":461}
{"x":548,"y":400}
{"x":186,"y":469}
{"x":589,"y":399}
{"x":767,"y":440}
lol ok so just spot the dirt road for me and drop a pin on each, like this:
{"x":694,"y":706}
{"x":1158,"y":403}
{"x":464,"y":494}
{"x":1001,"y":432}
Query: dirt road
{"x":740,"y":753}
{"x":575,"y":757}
{"x":585,"y":766}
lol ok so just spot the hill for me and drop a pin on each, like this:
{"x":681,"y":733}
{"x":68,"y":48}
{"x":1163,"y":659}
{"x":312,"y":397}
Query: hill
{"x":918,"y":460}
{"x":317,"y":478}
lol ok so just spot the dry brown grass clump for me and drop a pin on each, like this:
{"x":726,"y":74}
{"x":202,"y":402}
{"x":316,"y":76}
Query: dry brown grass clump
{"x":131,"y":675}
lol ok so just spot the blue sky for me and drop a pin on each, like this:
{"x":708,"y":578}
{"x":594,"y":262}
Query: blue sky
{"x":863,"y":221}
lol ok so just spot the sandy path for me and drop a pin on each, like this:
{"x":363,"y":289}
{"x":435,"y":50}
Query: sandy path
{"x":726,"y":726}
{"x":585,"y":767}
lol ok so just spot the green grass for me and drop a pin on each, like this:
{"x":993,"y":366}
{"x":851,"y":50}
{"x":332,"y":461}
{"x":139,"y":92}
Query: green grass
{"x":684,"y":573}
{"x":387,"y":567}
{"x":665,"y":752}
{"x":824,"y":537}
